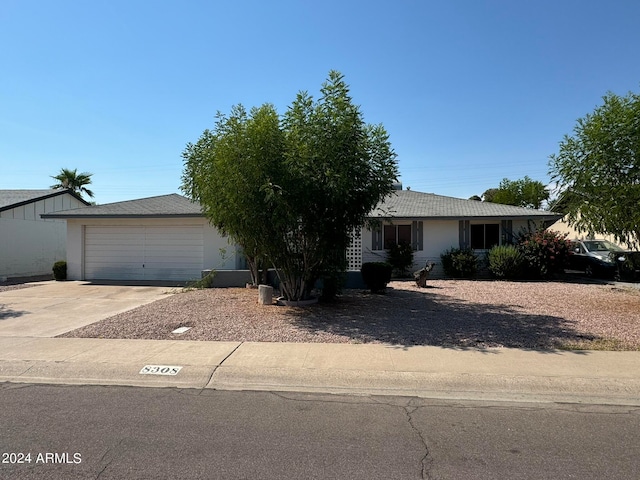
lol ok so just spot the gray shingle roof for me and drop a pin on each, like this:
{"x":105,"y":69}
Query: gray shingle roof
{"x":400,"y":204}
{"x":172,"y":205}
{"x":15,"y":198}
{"x":412,"y":204}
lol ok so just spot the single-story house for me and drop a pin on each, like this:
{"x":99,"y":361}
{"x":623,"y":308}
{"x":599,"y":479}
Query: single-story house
{"x":167,"y":237}
{"x":29,"y":244}
{"x":435,"y":223}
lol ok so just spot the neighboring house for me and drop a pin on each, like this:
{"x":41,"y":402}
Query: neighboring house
{"x":164,"y":238}
{"x":563,"y":226}
{"x":168,"y":238}
{"x":30,"y":245}
{"x":435,"y":223}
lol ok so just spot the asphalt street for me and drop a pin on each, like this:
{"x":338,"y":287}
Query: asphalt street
{"x":116,"y":432}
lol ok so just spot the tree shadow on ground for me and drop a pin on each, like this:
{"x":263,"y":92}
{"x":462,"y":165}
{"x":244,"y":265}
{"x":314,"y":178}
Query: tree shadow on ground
{"x":428,"y":317}
{"x":6,"y":312}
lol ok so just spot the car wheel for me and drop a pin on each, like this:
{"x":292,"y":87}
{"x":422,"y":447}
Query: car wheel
{"x":588,"y":270}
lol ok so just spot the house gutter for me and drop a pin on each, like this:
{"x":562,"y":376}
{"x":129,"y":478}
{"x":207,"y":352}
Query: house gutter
{"x":166,"y":215}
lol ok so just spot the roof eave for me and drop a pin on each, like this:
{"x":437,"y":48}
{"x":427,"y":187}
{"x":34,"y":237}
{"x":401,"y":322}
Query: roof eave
{"x":466,"y":217}
{"x":166,"y":215}
{"x":44,"y":197}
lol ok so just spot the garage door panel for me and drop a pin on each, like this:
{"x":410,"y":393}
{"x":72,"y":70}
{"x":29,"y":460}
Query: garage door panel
{"x":114,"y":272}
{"x":106,"y":237}
{"x":158,"y":263}
{"x":103,"y":235}
{"x":116,"y":255}
{"x":158,"y":241}
{"x":195,"y":250}
{"x":165,"y":236}
{"x":120,"y":263}
{"x":176,"y":255}
{"x":143,"y":253}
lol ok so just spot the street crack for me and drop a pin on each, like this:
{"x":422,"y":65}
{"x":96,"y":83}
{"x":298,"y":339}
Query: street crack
{"x":426,"y":461}
{"x":113,"y":450}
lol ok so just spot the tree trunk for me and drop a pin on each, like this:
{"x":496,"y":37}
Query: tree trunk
{"x":421,"y":275}
{"x":264,"y":273}
{"x":254,"y":269}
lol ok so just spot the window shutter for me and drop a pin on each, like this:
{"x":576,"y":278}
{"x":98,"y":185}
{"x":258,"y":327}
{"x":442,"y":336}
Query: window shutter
{"x":376,"y":239}
{"x":416,"y":230}
{"x":463,"y":233}
{"x":507,"y":232}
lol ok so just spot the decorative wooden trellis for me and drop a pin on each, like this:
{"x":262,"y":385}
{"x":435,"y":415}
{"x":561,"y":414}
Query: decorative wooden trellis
{"x":354,"y":251}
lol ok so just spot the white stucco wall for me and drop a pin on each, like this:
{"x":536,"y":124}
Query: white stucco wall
{"x":30,"y":245}
{"x":438,"y":236}
{"x":214,"y":243}
{"x":29,"y":248}
{"x":523,"y":225}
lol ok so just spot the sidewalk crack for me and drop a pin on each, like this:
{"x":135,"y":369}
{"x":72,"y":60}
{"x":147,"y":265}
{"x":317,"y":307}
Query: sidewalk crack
{"x":215,"y":369}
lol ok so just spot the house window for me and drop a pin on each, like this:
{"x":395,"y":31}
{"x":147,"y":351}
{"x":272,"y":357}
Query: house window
{"x":383,"y":237}
{"x":485,"y":235}
{"x":396,"y":234}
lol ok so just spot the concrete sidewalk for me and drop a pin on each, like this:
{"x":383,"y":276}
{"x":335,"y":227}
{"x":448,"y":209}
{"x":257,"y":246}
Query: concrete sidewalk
{"x":431,"y":372}
{"x":28,"y":317}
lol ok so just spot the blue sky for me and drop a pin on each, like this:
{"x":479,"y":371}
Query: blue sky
{"x":470,"y":91}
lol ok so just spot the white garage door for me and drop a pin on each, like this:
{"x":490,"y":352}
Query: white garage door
{"x":143,"y":253}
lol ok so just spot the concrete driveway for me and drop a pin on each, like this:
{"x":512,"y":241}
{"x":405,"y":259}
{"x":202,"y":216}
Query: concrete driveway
{"x":47,"y":309}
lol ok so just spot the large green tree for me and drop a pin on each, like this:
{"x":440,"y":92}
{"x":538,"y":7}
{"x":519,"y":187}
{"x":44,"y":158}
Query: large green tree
{"x":598,"y":169}
{"x":291,"y":189}
{"x":71,"y":179}
{"x":524,"y":192}
{"x":489,"y":195}
{"x":226,"y":170}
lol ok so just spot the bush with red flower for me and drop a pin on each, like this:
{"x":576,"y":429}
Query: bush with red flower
{"x":545,"y":253}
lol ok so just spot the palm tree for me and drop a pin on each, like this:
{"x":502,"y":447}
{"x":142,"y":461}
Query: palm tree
{"x":72,"y":180}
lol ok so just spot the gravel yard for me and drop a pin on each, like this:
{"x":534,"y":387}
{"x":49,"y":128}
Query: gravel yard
{"x":5,"y":287}
{"x":451,"y":313}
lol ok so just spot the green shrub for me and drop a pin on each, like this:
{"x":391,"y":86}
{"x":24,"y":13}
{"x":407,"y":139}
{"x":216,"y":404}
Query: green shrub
{"x":332,"y":285}
{"x":505,"y":261}
{"x":60,"y":270}
{"x":204,"y":282}
{"x":400,"y":256}
{"x":545,"y":253}
{"x":459,"y":263}
{"x":376,"y":275}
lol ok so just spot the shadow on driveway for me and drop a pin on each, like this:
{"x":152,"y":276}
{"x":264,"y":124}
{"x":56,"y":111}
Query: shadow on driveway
{"x":6,"y":312}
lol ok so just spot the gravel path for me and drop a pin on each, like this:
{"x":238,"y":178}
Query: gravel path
{"x":452,"y":313}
